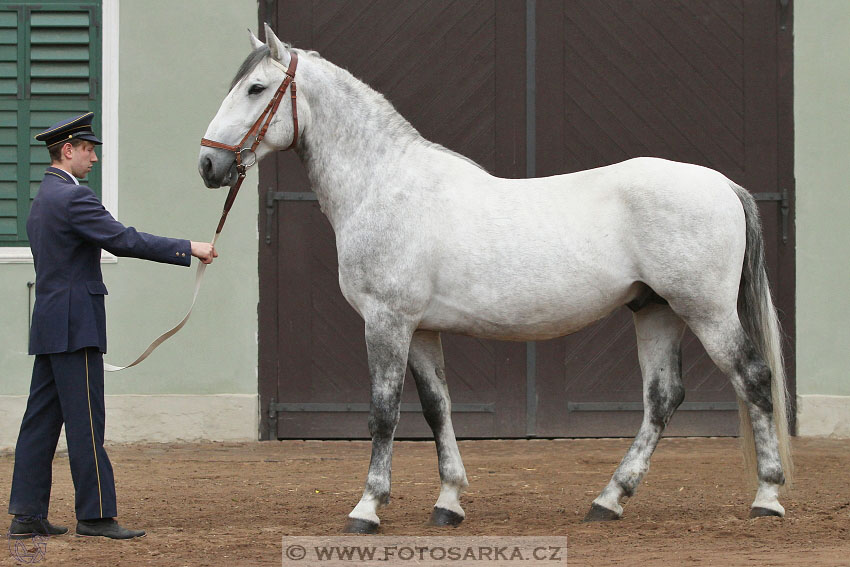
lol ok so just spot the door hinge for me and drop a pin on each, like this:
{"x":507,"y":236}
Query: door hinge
{"x":784,"y":201}
{"x":271,"y":420}
{"x":272,"y":197}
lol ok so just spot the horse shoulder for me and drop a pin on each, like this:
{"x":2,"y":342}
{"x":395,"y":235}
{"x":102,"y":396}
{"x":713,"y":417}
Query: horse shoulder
{"x":385,"y":256}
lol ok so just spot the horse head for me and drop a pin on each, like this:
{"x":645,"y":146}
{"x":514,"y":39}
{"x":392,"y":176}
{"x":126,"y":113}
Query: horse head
{"x":252,"y":91}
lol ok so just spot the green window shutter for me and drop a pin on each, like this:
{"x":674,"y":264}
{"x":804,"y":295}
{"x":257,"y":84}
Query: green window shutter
{"x":50,"y":66}
{"x":8,"y":125}
{"x":8,"y":175}
{"x":60,"y":53}
{"x":8,"y":53}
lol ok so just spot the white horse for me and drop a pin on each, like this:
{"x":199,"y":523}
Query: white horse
{"x":430,"y":242}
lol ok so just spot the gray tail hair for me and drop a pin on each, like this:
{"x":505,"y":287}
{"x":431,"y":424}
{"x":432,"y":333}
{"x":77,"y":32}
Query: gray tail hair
{"x":759,"y":319}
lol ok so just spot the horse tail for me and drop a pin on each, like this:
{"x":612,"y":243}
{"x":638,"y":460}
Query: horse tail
{"x":759,"y":320}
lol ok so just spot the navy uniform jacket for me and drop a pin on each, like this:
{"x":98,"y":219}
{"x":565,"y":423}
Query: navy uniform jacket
{"x":67,"y":228}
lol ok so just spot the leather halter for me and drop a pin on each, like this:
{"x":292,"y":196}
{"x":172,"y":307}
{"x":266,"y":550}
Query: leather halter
{"x":258,"y":130}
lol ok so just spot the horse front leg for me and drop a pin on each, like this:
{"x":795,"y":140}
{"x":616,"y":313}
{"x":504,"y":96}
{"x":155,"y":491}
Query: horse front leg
{"x":387,"y":342}
{"x":428,"y":368}
{"x":659,"y":335}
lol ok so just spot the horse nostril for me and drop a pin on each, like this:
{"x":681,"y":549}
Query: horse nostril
{"x":206,"y":165}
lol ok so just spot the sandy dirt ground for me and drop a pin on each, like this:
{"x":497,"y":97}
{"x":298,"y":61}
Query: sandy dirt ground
{"x":214,"y":504}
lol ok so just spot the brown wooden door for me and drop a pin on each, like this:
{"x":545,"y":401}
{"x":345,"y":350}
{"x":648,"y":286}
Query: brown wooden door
{"x":703,"y":82}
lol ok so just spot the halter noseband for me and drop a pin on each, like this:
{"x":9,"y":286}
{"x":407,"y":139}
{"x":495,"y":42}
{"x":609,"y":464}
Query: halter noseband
{"x":259,"y":128}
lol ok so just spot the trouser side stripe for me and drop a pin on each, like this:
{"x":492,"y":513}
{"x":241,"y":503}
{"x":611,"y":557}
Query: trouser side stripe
{"x":93,"y":445}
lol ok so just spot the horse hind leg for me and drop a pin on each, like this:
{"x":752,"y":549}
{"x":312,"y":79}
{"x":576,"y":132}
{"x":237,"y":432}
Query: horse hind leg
{"x":734,"y":353}
{"x":428,"y":368}
{"x":659,"y":335}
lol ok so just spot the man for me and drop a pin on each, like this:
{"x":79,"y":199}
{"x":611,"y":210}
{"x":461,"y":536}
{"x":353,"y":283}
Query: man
{"x":67,"y":229}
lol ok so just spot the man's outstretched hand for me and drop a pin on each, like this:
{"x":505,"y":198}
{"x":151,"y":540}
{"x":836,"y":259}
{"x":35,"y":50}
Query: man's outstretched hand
{"x":204,"y":251}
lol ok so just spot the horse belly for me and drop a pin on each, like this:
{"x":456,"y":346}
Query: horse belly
{"x":525,"y":310}
{"x":525,"y":266}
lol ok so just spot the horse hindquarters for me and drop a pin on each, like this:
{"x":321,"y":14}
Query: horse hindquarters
{"x":746,"y":345}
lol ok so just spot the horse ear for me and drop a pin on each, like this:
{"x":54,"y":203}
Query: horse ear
{"x":255,"y":41}
{"x":279,"y":50}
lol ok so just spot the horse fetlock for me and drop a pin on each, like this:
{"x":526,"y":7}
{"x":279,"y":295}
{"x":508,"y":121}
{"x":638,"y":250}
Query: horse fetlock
{"x":377,"y":489}
{"x":452,"y":472}
{"x":627,"y":480}
{"x":772,"y":474}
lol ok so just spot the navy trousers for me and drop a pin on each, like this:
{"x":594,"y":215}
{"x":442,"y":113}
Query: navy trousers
{"x":66,"y":388}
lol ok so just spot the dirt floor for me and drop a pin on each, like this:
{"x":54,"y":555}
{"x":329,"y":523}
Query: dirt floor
{"x":230,"y":504}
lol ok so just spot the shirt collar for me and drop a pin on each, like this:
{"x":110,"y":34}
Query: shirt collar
{"x":59,"y":169}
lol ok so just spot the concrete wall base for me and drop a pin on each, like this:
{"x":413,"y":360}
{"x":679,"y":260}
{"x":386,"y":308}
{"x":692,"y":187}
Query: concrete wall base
{"x":823,"y":416}
{"x":158,"y":418}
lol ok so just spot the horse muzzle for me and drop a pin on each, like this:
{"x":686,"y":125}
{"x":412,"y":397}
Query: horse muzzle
{"x":217,"y":167}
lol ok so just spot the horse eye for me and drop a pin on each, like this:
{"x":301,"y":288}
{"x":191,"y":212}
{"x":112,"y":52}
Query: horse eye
{"x":256,"y":89}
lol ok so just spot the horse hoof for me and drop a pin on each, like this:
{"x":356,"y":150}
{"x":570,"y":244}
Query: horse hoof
{"x":443,"y":517}
{"x":599,"y":513}
{"x":759,"y":512}
{"x":358,"y":526}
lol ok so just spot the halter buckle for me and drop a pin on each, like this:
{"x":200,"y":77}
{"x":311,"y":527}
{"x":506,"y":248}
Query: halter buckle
{"x":245,"y":158}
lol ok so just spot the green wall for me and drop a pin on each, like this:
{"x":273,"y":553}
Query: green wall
{"x":176,"y":62}
{"x":822,"y":168}
{"x":15,"y":364}
{"x":177,"y":59}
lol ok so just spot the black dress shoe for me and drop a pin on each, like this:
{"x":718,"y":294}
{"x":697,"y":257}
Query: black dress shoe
{"x":24,"y":527}
{"x":106,"y":527}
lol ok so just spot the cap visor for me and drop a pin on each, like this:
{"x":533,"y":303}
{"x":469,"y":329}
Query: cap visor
{"x":89,"y":138}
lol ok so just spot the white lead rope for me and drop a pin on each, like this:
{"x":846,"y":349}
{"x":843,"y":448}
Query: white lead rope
{"x":199,"y":277}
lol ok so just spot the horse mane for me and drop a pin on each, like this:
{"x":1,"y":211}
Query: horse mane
{"x":395,"y":121}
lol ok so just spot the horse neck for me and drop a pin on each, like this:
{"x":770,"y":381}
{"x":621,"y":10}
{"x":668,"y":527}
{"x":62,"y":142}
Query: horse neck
{"x":353,"y":134}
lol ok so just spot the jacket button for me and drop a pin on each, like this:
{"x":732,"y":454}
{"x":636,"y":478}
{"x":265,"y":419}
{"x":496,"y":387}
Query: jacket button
{"x":183,"y":254}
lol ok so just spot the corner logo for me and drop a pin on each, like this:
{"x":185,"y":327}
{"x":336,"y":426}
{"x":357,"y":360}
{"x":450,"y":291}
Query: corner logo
{"x":28,"y":551}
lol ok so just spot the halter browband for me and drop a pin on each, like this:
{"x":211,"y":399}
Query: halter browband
{"x":267,"y":116}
